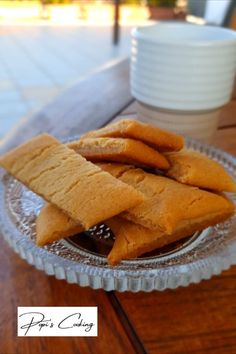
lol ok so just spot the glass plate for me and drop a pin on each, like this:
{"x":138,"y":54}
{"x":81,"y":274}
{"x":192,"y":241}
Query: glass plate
{"x":82,"y":259}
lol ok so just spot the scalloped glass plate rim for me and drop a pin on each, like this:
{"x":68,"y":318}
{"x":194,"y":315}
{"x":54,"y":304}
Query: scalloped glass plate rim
{"x":116,"y":278}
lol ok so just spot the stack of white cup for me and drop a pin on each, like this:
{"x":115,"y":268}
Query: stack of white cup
{"x":182,"y":74}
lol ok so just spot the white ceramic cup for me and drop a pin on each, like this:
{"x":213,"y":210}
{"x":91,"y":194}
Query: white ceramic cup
{"x":199,"y":125}
{"x":184,"y":68}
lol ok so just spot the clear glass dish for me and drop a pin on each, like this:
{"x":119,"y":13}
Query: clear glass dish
{"x":82,"y":258}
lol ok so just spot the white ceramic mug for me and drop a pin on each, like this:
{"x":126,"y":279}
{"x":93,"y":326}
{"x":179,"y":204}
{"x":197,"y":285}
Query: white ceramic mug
{"x":184,"y":68}
{"x":200,"y":125}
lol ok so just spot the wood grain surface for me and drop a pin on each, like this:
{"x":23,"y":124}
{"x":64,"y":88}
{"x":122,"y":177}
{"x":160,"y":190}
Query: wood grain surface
{"x":23,"y":285}
{"x":198,"y":319}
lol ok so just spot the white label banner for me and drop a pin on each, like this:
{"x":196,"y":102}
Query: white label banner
{"x":57,"y":321}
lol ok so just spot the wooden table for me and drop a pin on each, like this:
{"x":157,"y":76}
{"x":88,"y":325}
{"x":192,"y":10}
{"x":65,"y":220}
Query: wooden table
{"x":198,"y":319}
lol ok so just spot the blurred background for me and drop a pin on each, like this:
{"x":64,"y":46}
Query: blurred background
{"x":48,"y":45}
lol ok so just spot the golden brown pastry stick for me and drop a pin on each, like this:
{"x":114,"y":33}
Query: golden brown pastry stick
{"x":170,"y":206}
{"x":191,"y":167}
{"x":53,"y":224}
{"x":160,"y":139}
{"x":133,"y":240}
{"x":119,"y":150}
{"x":58,"y":174}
